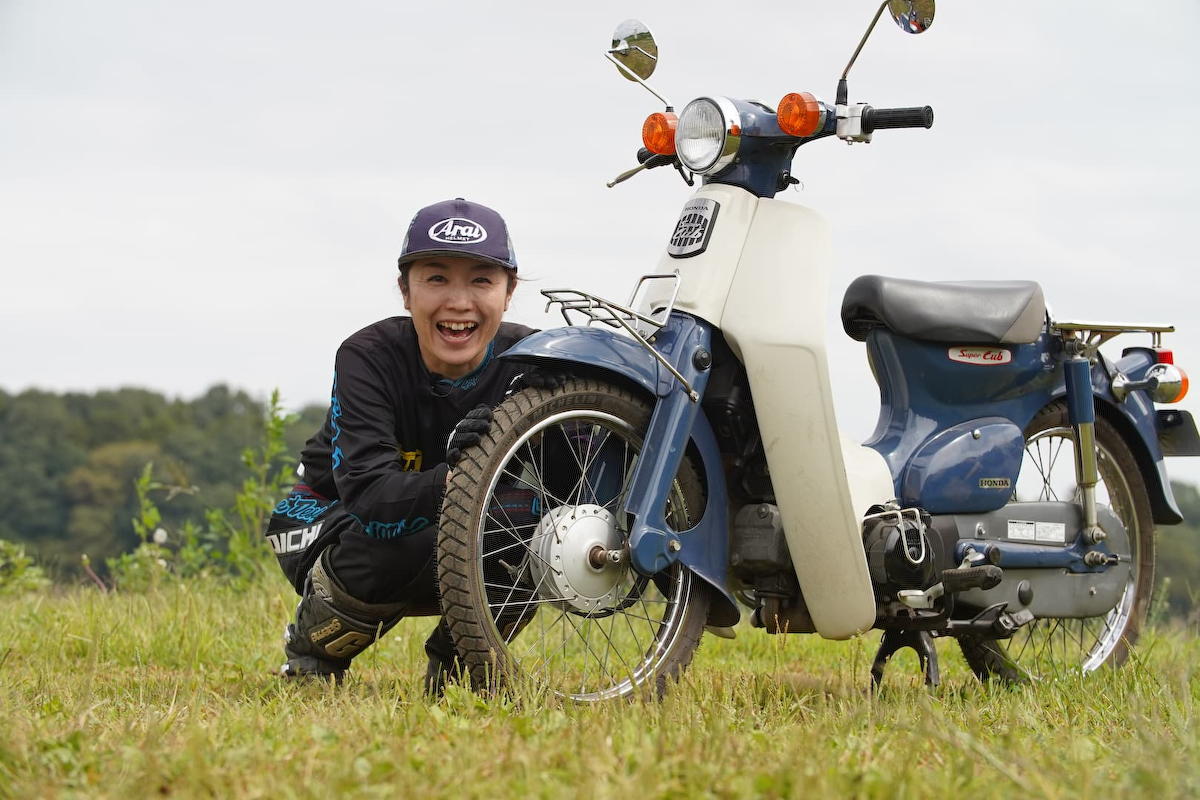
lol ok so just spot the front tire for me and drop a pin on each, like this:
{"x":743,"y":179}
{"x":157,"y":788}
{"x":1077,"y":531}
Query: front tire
{"x":1050,"y":647}
{"x":528,"y":515}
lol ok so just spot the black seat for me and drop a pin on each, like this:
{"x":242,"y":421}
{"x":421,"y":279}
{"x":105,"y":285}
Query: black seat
{"x":964,"y":312}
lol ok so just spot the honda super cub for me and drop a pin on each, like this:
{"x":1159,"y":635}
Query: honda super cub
{"x":691,"y":459}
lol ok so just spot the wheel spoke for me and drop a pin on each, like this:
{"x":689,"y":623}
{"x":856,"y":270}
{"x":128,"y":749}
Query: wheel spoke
{"x":541,"y":489}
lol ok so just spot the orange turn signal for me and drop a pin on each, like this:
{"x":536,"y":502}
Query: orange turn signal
{"x":800,"y":114}
{"x":658,"y":133}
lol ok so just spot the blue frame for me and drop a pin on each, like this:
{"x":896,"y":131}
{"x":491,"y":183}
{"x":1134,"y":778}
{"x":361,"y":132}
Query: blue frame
{"x":931,"y":407}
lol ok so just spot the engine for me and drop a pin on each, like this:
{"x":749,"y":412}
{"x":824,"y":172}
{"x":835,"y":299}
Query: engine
{"x":899,"y":552}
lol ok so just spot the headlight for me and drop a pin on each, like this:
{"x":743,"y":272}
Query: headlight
{"x":708,"y":134}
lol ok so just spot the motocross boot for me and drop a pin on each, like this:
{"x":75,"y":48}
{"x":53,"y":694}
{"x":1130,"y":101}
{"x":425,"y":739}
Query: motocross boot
{"x":443,"y":660}
{"x":332,"y":627}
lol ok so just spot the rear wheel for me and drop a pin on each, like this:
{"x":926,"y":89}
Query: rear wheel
{"x":531,"y":522}
{"x":1054,"y":646}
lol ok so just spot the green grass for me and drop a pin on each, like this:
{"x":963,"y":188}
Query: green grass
{"x":172,"y":693}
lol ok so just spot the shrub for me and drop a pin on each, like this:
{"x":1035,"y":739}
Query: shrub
{"x":18,"y":573}
{"x":227,"y":544}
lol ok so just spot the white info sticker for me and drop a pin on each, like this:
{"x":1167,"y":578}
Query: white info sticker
{"x":1051,"y":532}
{"x":1022,"y":531}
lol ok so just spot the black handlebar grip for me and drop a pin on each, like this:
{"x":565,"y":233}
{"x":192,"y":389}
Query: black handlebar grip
{"x":652,"y":160}
{"x":875,"y":118}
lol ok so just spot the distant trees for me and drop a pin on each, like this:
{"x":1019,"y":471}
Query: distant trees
{"x":68,"y":463}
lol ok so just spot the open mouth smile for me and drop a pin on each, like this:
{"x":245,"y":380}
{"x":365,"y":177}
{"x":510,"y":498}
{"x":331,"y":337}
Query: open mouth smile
{"x":457,"y":331}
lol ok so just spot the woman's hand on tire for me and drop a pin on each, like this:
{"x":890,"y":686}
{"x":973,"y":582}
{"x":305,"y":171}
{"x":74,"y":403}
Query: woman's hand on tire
{"x":468,"y":432}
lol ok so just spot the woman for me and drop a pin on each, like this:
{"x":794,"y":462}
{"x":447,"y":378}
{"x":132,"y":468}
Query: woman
{"x":356,"y":537}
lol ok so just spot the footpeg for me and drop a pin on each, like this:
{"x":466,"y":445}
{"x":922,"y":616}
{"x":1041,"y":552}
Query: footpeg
{"x":961,"y":579}
{"x":1007,"y":622}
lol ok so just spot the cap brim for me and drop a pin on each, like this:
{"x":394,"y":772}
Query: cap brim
{"x":408,"y":258}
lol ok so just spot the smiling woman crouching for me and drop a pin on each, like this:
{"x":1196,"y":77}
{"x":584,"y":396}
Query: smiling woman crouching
{"x":356,"y":536}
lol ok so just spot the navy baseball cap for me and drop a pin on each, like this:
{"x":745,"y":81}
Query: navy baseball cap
{"x":459,"y":228}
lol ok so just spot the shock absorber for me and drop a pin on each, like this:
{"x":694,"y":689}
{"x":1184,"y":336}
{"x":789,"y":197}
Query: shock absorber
{"x":1081,"y":411}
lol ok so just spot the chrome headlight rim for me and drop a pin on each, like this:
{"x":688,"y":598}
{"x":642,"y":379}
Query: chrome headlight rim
{"x":729,"y":147}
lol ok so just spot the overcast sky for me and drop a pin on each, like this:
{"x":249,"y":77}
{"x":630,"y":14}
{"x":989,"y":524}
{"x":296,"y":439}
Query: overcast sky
{"x":193,"y":193}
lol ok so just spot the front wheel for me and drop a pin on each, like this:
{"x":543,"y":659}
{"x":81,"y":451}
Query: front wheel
{"x":533,"y":584}
{"x":1049,"y":647}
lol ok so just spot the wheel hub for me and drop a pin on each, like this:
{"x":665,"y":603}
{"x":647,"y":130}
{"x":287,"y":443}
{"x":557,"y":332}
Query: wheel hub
{"x":565,"y":567}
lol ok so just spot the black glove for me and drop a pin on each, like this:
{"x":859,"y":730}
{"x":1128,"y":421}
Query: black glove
{"x":547,"y":379}
{"x":467,"y":433}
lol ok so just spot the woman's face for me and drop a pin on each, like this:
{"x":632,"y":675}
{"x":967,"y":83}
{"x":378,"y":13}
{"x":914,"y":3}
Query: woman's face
{"x":456,"y":306}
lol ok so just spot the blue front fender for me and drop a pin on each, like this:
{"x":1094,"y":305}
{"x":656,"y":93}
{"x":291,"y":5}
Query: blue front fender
{"x":598,"y":348}
{"x":705,"y":547}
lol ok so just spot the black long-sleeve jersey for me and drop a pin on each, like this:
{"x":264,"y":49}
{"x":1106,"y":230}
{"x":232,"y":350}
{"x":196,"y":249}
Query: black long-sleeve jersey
{"x":382,"y":449}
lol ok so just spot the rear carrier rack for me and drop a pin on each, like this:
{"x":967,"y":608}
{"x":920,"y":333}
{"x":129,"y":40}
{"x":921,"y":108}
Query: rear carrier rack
{"x":1093,"y":334}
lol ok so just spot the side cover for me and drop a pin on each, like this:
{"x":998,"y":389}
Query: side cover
{"x":761,"y":276}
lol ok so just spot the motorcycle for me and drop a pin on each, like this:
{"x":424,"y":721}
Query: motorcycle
{"x":689,"y":458}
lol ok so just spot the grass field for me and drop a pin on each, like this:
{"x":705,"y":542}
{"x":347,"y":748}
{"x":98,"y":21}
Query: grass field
{"x":171,"y":693}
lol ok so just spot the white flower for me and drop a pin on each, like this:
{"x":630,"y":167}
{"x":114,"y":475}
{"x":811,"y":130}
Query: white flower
{"x":160,"y":536}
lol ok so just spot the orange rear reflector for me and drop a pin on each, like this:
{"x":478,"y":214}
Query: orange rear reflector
{"x":658,"y":133}
{"x":799,"y":114}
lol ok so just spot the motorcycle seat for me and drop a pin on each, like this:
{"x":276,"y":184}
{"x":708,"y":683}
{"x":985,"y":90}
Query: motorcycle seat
{"x":964,"y":312}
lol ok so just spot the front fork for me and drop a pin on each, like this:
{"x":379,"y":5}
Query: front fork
{"x":685,"y":343}
{"x":1081,"y":411}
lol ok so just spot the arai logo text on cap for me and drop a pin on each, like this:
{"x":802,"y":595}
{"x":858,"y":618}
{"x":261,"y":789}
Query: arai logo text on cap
{"x":457,"y":230}
{"x":981,"y":356}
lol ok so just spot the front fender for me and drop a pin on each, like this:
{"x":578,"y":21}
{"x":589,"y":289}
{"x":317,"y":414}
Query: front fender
{"x":705,"y":547}
{"x":596,"y":348}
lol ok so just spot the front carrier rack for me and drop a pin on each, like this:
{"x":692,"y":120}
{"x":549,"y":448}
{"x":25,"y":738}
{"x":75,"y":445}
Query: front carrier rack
{"x":642,"y":327}
{"x":597,"y":309}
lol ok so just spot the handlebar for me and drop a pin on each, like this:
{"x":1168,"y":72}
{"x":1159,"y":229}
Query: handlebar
{"x":874,"y":119}
{"x":646,"y":160}
{"x":651,"y":160}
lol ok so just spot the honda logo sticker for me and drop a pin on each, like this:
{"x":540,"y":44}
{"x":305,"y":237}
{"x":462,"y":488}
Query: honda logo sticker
{"x":694,"y":228}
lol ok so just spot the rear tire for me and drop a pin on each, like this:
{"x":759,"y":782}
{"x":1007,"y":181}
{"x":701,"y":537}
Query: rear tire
{"x":523,"y":511}
{"x":1046,"y":648}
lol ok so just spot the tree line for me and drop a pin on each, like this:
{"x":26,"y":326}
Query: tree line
{"x":69,"y":463}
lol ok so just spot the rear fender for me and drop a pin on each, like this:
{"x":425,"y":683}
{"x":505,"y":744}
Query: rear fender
{"x":1137,"y":421}
{"x":705,"y":547}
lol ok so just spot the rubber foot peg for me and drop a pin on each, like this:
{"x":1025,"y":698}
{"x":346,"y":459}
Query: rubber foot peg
{"x":961,"y":579}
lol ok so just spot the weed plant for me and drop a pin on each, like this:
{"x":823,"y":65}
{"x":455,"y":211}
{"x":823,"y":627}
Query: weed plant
{"x":228,"y":544}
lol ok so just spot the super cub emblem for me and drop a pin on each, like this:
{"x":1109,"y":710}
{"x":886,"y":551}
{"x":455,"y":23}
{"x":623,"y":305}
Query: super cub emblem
{"x":694,"y":228}
{"x":457,"y":230}
{"x":981,"y":356}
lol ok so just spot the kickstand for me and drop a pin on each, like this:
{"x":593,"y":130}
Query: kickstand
{"x":920,"y":641}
